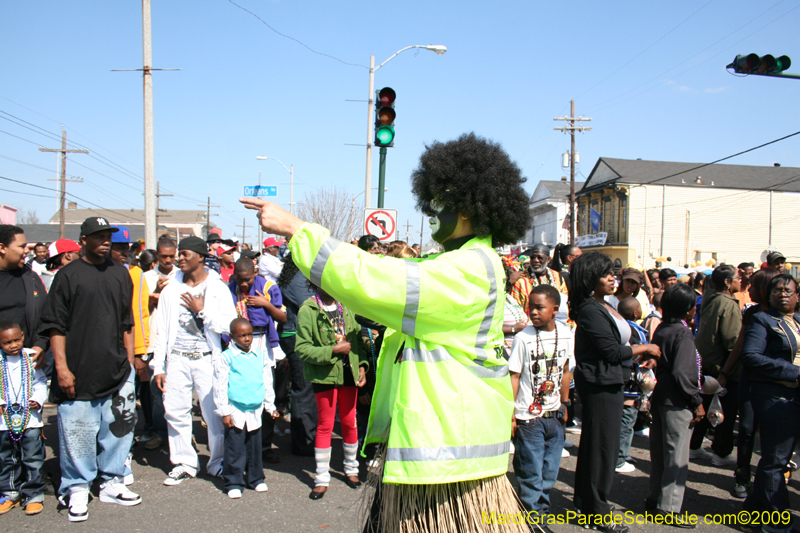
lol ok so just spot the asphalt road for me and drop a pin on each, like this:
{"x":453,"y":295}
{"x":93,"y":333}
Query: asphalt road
{"x":199,"y":505}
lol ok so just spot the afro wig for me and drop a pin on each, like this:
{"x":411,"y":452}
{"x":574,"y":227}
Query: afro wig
{"x":474,"y":176}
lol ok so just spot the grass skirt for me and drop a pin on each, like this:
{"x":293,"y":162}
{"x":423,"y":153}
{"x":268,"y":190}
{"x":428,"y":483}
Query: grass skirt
{"x":475,"y":506}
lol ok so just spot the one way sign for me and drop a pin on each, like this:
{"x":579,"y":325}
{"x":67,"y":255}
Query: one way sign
{"x":381,"y":223}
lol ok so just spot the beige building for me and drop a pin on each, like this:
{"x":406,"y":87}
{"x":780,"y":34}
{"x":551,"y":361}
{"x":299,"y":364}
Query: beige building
{"x":637,"y":211}
{"x":178,"y":223}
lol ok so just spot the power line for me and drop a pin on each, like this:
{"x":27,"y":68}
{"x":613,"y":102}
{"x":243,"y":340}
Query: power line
{"x":26,"y":193}
{"x":596,"y":109}
{"x":295,"y":40}
{"x":646,"y":49}
{"x":20,"y":138}
{"x":722,"y":159}
{"x":69,"y":193}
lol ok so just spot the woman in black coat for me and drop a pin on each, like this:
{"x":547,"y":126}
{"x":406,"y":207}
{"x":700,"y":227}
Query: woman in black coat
{"x":601,"y":346}
{"x":676,"y":402}
{"x":769,"y":357}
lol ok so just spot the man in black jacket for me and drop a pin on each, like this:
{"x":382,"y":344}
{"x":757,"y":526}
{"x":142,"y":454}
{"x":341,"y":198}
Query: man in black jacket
{"x":22,"y":292}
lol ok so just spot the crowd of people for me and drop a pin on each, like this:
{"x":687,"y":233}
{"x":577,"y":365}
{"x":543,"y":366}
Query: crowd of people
{"x":99,"y":325}
{"x":248,"y":335}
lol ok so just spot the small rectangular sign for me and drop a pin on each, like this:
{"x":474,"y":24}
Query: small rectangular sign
{"x":261,"y":190}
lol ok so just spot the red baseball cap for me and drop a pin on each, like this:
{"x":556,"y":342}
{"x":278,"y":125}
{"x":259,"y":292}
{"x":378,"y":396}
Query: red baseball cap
{"x":271,"y":241}
{"x":224,"y":249}
{"x":63,"y":245}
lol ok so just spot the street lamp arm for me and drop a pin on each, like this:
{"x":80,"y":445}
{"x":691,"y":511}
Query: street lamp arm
{"x":264,"y":158}
{"x":438,"y":48}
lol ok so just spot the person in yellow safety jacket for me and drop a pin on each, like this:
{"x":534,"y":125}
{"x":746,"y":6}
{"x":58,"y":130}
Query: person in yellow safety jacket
{"x":443,"y":401}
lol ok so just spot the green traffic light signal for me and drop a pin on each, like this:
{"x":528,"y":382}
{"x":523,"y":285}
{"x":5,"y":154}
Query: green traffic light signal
{"x":384,"y":117}
{"x":755,"y":64}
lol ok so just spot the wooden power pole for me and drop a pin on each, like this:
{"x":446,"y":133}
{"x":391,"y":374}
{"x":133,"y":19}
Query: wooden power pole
{"x":63,"y":188}
{"x":572,"y":128}
{"x":208,"y":207}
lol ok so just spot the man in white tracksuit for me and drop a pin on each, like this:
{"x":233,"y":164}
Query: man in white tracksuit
{"x":193,"y":311}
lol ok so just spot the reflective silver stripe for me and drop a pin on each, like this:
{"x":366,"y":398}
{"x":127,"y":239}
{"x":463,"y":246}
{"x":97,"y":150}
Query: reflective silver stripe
{"x":412,"y":298}
{"x":321,"y":260}
{"x":486,"y":323}
{"x":494,"y":371}
{"x":418,"y":354}
{"x":448,"y":453}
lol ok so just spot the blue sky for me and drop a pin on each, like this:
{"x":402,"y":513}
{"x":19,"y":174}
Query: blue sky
{"x":650,"y":74}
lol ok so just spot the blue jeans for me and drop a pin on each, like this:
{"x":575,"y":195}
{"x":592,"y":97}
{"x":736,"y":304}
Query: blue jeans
{"x":95,"y":437}
{"x":21,"y":466}
{"x":629,"y":413}
{"x":537,"y":458}
{"x":777,"y":409}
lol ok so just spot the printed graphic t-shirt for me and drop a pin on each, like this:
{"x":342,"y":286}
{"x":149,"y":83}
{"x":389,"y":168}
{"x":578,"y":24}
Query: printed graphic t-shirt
{"x":526,"y":353}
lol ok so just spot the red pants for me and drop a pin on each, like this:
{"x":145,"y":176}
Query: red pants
{"x":326,"y":415}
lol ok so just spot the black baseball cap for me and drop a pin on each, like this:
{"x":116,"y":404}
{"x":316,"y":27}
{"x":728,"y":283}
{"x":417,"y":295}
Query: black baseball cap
{"x":95,"y":224}
{"x":774,"y":256}
{"x":250,"y":254}
{"x":213,"y":238}
{"x":194,"y":244}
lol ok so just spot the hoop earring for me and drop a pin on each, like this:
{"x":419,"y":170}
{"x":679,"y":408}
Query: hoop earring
{"x":591,"y":294}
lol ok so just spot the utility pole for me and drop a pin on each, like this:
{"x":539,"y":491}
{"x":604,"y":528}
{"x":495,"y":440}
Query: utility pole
{"x":408,"y":233}
{"x":159,"y":210}
{"x":572,"y":128}
{"x":208,"y":207}
{"x":62,"y":193}
{"x":150,"y":216}
{"x":421,"y":229}
{"x":244,"y":226}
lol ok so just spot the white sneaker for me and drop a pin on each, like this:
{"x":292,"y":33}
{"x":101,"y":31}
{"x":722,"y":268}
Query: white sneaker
{"x":261,"y":487}
{"x":564,"y":453}
{"x":643,"y":432}
{"x":625,"y":468}
{"x":728,"y":460}
{"x":700,"y":453}
{"x":128,"y":480}
{"x":112,"y":492}
{"x":178,"y":475}
{"x":568,"y":444}
{"x":575,"y":428}
{"x":79,"y":506}
{"x":234,"y":494}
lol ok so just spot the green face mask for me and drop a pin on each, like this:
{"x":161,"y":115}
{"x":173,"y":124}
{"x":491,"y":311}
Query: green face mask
{"x":443,"y":221}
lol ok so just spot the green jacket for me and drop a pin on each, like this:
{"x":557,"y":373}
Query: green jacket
{"x":720,"y":322}
{"x":315,"y":341}
{"x":443,"y":399}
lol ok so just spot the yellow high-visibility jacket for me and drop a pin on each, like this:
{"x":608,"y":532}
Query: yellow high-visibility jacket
{"x":443,"y":398}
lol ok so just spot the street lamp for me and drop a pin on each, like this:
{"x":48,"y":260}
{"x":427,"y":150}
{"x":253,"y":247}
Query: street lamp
{"x":439,"y":50}
{"x":291,"y":178}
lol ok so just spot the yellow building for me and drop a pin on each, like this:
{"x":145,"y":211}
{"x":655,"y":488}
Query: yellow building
{"x":636,"y":211}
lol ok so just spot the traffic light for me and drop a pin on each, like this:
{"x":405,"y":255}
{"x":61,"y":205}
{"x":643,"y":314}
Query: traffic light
{"x":384,"y":117}
{"x":753,"y":64}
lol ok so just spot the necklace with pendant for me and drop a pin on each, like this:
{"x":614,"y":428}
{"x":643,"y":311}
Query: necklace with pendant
{"x":336,"y":318}
{"x":17,"y":413}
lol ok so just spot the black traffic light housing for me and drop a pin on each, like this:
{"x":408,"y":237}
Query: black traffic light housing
{"x":755,"y":64}
{"x":384,"y":117}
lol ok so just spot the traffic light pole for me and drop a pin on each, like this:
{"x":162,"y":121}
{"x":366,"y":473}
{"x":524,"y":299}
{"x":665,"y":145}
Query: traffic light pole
{"x":382,"y":176}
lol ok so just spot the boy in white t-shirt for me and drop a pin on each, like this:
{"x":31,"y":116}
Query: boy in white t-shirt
{"x":539,"y":367}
